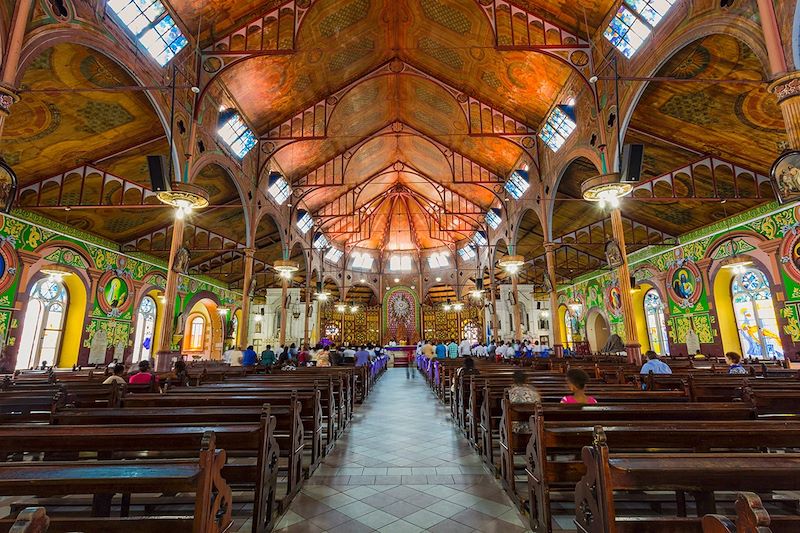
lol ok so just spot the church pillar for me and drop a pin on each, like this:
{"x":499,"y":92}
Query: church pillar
{"x":244,"y":324}
{"x":632,"y":346}
{"x":493,"y":300}
{"x":787,"y":90}
{"x":170,"y":293}
{"x":555,"y":326}
{"x":284,"y":310}
{"x":772,"y":36}
{"x":306,"y":307}
{"x":517,"y":313}
{"x":19,"y":22}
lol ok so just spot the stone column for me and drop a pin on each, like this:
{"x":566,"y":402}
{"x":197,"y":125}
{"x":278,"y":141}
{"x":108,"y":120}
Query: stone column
{"x":170,"y":293}
{"x":284,"y":311}
{"x":555,"y":325}
{"x":517,"y":312}
{"x":772,"y":36}
{"x":244,"y":324}
{"x":632,"y":346}
{"x":787,"y":91}
{"x":19,"y":23}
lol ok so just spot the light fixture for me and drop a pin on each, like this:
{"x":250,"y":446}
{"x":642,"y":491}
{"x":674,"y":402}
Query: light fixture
{"x":545,"y":314}
{"x":184,"y":197}
{"x":606,"y":189}
{"x":438,"y":279}
{"x":511,"y":263}
{"x":341,"y":308}
{"x":447,"y":305}
{"x":477,"y":294}
{"x":458,"y":306}
{"x":397,"y":280}
{"x":285,"y":268}
{"x":257,"y":318}
{"x":575,"y":307}
{"x":222,"y":310}
{"x":738,"y":265}
{"x":636,"y":288}
{"x":55,"y":272}
{"x":322,"y":294}
{"x":162,"y":298}
{"x":354,"y":308}
{"x":362,"y":280}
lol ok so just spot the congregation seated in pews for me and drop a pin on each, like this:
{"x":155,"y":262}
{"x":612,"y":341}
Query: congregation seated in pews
{"x":118,"y":449}
{"x":623,"y":448}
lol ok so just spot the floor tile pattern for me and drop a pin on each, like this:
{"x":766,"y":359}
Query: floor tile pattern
{"x":402,"y":467}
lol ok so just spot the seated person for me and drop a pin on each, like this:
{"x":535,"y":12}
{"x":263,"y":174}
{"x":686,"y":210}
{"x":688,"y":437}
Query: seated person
{"x":362,"y":356}
{"x":179,"y":376}
{"x":735,"y":362}
{"x":576,"y":382}
{"x":116,"y":377}
{"x":323,"y":358}
{"x":522,"y":392}
{"x":654,"y":364}
{"x":249,"y":356}
{"x":268,"y":356}
{"x":144,"y":375}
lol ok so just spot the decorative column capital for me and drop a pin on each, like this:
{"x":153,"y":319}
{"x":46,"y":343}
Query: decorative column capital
{"x":786,"y":87}
{"x":550,"y":246}
{"x":249,"y":252}
{"x":8,"y":97}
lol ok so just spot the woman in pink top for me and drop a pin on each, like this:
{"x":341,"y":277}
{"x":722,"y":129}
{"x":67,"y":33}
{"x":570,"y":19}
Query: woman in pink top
{"x":143,"y":375}
{"x":576,"y":381}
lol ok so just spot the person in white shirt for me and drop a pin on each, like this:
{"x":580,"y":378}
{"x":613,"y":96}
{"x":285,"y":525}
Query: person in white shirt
{"x":479,"y":350}
{"x":501,"y":350}
{"x":465,"y":348}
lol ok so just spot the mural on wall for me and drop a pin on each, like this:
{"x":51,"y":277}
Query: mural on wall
{"x":401,"y":315}
{"x":763,"y":315}
{"x":111,"y":306}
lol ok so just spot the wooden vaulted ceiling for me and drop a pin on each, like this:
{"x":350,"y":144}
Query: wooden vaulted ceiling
{"x":395,"y":130}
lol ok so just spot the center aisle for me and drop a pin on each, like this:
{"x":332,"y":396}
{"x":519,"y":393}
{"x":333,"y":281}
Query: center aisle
{"x":402,"y":467}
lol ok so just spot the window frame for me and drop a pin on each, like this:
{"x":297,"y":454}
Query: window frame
{"x":240,"y":131}
{"x":305,"y":222}
{"x":633,"y":17}
{"x":493,"y":219}
{"x":334,"y":251}
{"x":192,"y":321}
{"x":41,"y":318}
{"x":467,"y":252}
{"x":142,"y":321}
{"x":283,"y":187}
{"x":515,"y":182}
{"x":151,"y":26}
{"x":558,"y":126}
{"x":359,"y":260}
{"x":404,"y":263}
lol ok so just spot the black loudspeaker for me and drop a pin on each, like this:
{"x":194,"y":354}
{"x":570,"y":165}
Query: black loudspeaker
{"x":158,"y":173}
{"x":631,"y":167}
{"x":538,"y":305}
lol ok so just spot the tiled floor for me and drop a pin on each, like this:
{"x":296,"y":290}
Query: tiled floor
{"x":402,"y":467}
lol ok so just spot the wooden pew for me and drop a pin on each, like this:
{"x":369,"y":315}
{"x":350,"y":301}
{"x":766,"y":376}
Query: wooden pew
{"x":201,"y":476}
{"x":255,"y":441}
{"x":699,"y":473}
{"x":288,"y":431}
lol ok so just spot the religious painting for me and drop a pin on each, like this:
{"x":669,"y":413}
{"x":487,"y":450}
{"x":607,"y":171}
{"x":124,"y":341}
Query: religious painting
{"x":685,"y":283}
{"x":113,"y":292}
{"x":790,"y":255}
{"x":8,"y":263}
{"x":614,"y":299}
{"x":785,"y":175}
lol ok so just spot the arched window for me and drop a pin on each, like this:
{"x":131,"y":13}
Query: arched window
{"x":568,"y":328}
{"x":755,"y":315}
{"x":145,"y":329}
{"x":44,"y":324}
{"x":656,"y":326}
{"x":197,"y":332}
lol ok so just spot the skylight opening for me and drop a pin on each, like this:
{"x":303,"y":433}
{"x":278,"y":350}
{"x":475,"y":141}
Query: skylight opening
{"x":480,"y":239}
{"x":320,"y":242}
{"x":439,"y":260}
{"x":399,"y":263}
{"x":304,"y":222}
{"x":278,"y":189}
{"x":362,"y":261}
{"x":557,"y":128}
{"x":334,"y":254}
{"x":493,"y":219}
{"x":152,"y":26}
{"x":517,"y":184}
{"x":634,"y":22}
{"x":237,"y":136}
{"x":467,"y":252}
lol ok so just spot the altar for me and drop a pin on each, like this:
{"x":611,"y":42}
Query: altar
{"x":400,"y":354}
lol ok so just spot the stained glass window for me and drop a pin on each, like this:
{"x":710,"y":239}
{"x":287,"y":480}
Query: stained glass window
{"x":517,"y":184}
{"x":633,"y":23}
{"x":197,"y":331}
{"x":755,"y":315}
{"x":237,"y":136}
{"x":654,"y":317}
{"x":279,"y":189}
{"x":304,"y":222}
{"x":556,"y":129}
{"x":568,"y":328}
{"x":145,"y":328}
{"x":151,"y":25}
{"x":467,"y":252}
{"x":43,"y":325}
{"x":480,"y":238}
{"x":320,"y":242}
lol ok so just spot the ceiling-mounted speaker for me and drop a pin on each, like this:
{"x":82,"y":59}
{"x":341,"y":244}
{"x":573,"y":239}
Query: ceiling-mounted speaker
{"x":158,"y":173}
{"x":631,"y":164}
{"x":538,"y":305}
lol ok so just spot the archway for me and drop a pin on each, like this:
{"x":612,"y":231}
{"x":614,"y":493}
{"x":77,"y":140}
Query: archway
{"x":597,"y":329}
{"x":203,"y":331}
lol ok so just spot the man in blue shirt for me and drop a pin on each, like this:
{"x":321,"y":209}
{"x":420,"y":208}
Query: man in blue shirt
{"x":362,"y":356}
{"x":452,"y":349}
{"x":249,"y":357}
{"x":655,"y":365}
{"x":441,"y":350}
